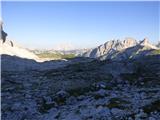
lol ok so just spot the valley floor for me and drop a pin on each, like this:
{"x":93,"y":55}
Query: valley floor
{"x":83,"y":91}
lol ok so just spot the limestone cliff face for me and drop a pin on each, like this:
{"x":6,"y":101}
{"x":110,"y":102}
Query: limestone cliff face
{"x":158,"y":45}
{"x":147,"y":44}
{"x":10,"y":48}
{"x":3,"y":34}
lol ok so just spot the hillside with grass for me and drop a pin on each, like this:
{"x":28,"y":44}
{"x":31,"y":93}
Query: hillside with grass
{"x":55,"y":55}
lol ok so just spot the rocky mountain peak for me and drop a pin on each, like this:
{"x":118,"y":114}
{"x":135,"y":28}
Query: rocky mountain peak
{"x":127,"y":47}
{"x":110,"y":46}
{"x":158,"y":45}
{"x":8,"y":47}
{"x":3,"y":34}
{"x":145,"y":41}
{"x":129,"y":42}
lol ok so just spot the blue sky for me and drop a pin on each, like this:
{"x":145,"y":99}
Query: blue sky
{"x":79,"y":24}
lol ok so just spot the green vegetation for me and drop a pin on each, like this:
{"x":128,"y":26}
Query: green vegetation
{"x":44,"y":107}
{"x":55,"y":55}
{"x":154,"y":106}
{"x":155,"y":52}
{"x":78,"y":91}
{"x":117,"y":103}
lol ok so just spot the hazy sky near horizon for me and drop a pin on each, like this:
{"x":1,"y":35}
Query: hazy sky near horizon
{"x":79,"y":24}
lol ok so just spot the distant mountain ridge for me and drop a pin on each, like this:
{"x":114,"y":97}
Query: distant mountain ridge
{"x":116,"y":49}
{"x":113,"y":49}
{"x":109,"y":47}
{"x":76,"y":52}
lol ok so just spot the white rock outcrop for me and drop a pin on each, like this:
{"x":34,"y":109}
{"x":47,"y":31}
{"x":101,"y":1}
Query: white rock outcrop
{"x":146,"y":43}
{"x":10,"y":48}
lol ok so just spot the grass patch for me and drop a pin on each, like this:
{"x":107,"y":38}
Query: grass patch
{"x":154,"y":106}
{"x":55,"y":55}
{"x":155,"y":52}
{"x":78,"y":91}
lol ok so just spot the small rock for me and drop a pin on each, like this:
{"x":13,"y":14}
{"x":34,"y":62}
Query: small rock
{"x":116,"y":111}
{"x":17,"y":106}
{"x":141,"y":115}
{"x":71,"y":100}
{"x":152,"y":118}
{"x":81,"y":97}
{"x":130,"y":118}
{"x":62,"y":94}
{"x":99,"y":108}
{"x":100,"y":94}
{"x":47,"y":99}
{"x":100,"y":85}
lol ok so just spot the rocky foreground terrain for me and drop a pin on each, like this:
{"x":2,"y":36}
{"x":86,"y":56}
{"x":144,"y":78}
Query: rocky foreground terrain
{"x":124,"y":85}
